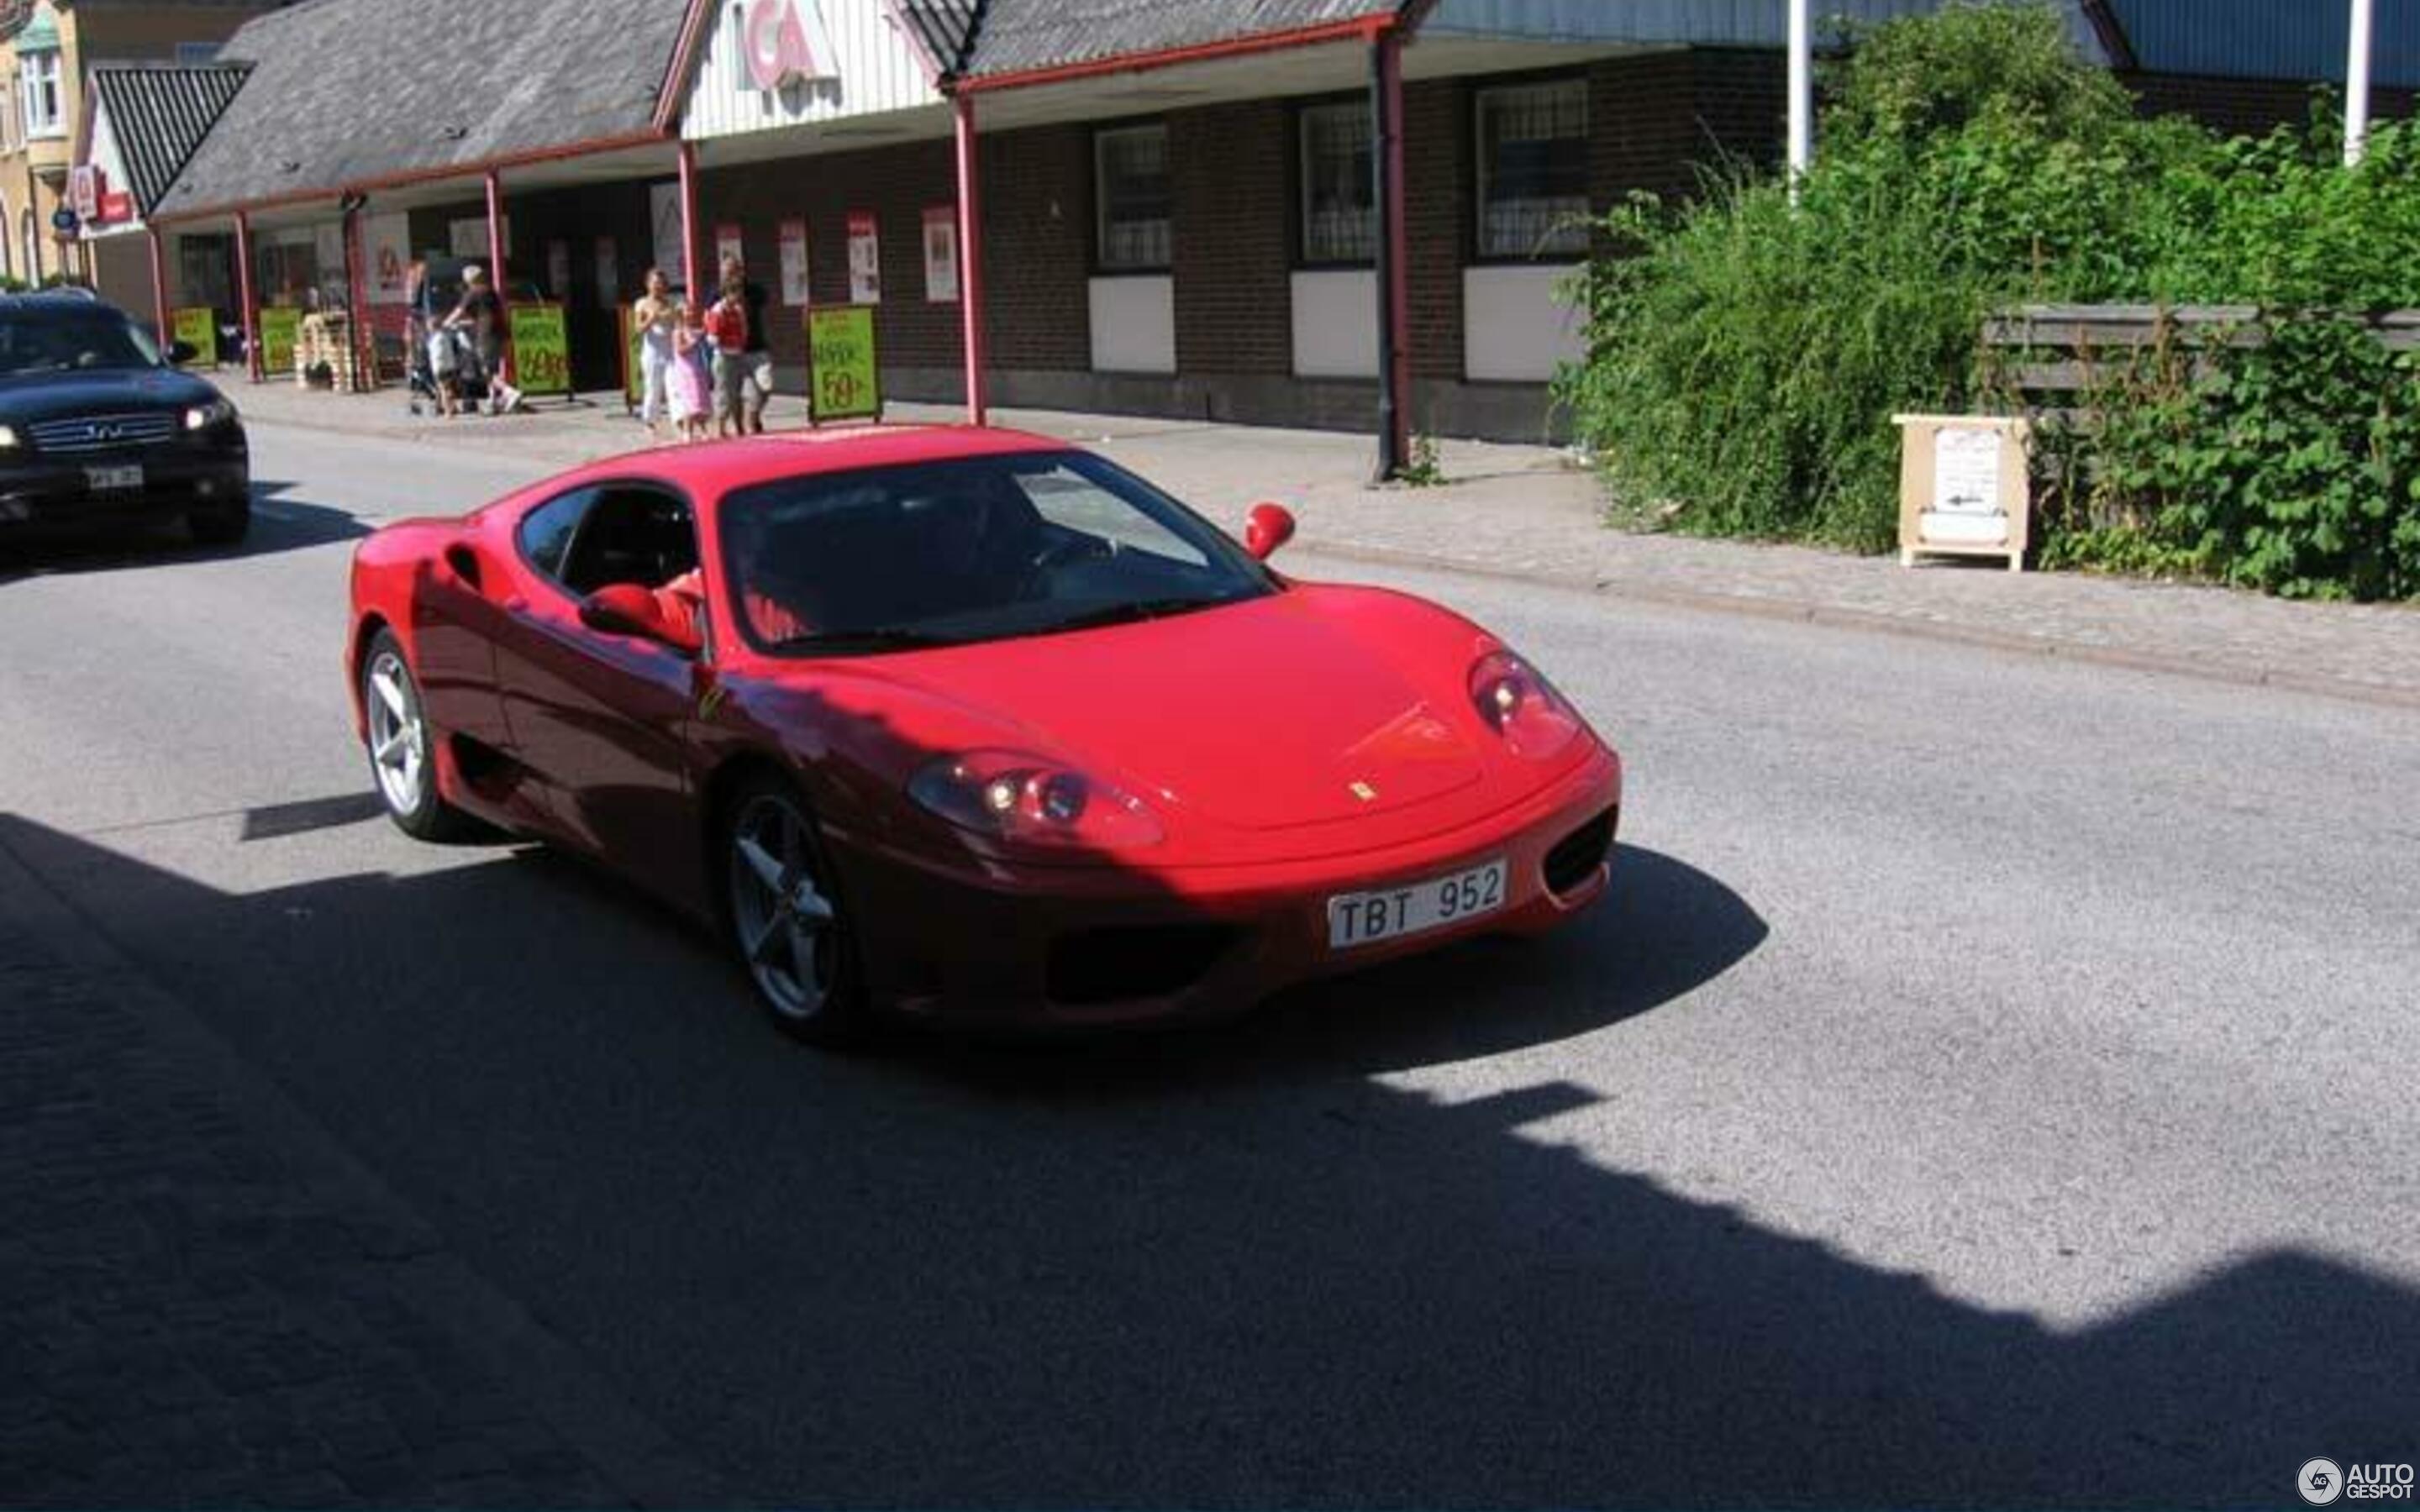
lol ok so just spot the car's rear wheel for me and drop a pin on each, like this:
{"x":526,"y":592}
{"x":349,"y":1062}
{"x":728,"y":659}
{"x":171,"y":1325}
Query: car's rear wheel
{"x":402,"y":747}
{"x":221,"y":524}
{"x":786,"y":918}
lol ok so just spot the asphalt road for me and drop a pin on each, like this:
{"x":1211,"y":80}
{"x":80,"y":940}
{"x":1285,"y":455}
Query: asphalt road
{"x":1992,"y":1080}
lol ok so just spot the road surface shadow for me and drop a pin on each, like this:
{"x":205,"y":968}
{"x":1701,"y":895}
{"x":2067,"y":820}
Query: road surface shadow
{"x":864,"y":1281}
{"x":283,"y":525}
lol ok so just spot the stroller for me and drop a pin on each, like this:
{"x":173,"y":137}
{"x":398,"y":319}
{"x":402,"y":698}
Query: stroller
{"x":446,"y":356}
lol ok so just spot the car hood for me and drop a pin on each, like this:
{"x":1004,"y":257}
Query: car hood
{"x":35,"y":396}
{"x":1268,"y":715}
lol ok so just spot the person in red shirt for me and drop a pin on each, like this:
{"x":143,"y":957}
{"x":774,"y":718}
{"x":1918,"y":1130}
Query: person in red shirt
{"x":726,"y":323}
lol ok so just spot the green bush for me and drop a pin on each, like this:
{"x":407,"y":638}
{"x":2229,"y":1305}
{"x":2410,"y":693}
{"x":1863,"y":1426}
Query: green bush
{"x":1746,"y":355}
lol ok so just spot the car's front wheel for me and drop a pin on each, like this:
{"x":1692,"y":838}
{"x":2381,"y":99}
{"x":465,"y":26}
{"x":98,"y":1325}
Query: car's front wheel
{"x":786,"y":918}
{"x":402,"y":748}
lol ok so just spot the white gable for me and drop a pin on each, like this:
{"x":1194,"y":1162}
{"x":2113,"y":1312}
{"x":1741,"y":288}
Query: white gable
{"x":839,"y":58}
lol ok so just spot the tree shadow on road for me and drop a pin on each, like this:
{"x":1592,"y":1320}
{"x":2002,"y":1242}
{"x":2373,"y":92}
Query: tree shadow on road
{"x":1277,"y":1280}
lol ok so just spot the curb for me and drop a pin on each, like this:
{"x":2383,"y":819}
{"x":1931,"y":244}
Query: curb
{"x":1833,"y":617}
{"x":1705,"y":601}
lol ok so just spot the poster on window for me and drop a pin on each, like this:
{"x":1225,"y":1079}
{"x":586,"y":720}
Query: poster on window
{"x":558,"y":272}
{"x":729,"y":247}
{"x":864,"y":259}
{"x":941,"y":253}
{"x":794,"y":264}
{"x":664,"y":209}
{"x":388,"y":238}
{"x":609,"y":270}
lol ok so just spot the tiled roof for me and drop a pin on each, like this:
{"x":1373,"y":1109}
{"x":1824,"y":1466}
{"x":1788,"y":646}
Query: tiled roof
{"x":1022,"y":35}
{"x":159,"y":115}
{"x":346,"y":92}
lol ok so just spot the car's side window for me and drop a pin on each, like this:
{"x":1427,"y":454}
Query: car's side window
{"x":546,"y":532}
{"x":630,"y":535}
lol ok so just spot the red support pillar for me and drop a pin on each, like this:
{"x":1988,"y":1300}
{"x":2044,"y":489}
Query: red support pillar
{"x":689,"y":290}
{"x":160,"y":291}
{"x":243,"y":292}
{"x":971,"y":287}
{"x":358,"y":316}
{"x":496,"y":267}
{"x":1394,"y":255}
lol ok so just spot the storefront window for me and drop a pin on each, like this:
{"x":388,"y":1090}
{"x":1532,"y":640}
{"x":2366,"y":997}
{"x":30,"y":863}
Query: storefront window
{"x":42,"y":85}
{"x":1533,"y":169}
{"x":1340,"y":217}
{"x":1131,"y":186}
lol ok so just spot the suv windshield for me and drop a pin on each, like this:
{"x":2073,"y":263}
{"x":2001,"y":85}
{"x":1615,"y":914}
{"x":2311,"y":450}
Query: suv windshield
{"x":66,"y":340}
{"x":943,"y":553}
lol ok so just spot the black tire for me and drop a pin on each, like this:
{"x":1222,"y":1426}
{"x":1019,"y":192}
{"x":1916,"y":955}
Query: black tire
{"x":408,"y":794}
{"x":221,"y":524}
{"x":817,"y":1000}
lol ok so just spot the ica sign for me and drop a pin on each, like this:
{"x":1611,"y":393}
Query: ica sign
{"x":785,"y":39}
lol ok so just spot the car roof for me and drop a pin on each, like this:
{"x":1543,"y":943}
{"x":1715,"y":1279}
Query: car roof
{"x":715,"y":468}
{"x":82,"y":300}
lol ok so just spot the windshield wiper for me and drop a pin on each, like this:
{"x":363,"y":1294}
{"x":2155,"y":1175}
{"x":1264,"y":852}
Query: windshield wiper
{"x":1144,"y":608}
{"x":880,"y":637}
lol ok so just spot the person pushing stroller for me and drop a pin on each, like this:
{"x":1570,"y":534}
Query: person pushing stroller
{"x":474,"y":331}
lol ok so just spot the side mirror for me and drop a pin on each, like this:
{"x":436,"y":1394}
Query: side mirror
{"x":627,"y":609}
{"x":181,"y":352}
{"x":1267,"y":527}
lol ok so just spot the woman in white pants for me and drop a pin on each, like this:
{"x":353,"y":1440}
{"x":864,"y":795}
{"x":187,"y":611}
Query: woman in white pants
{"x":658,"y":314}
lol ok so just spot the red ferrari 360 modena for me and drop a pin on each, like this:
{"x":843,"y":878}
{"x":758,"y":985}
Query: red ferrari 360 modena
{"x":968,"y":725}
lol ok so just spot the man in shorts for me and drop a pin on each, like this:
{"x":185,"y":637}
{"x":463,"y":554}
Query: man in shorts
{"x":726,"y":326}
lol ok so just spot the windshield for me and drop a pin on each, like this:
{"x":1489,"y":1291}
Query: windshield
{"x":69,"y":340}
{"x":943,"y":553}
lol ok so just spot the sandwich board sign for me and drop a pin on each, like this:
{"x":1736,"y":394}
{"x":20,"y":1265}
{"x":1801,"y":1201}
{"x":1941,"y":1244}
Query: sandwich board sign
{"x":1965,"y":487}
{"x":845,"y":382}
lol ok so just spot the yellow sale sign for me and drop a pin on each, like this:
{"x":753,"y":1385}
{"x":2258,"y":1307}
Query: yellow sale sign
{"x":847,"y":384}
{"x":541,"y":349}
{"x":280,"y":326}
{"x":199,"y":329}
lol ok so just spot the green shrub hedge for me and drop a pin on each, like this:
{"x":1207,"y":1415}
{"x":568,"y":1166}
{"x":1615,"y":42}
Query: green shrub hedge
{"x":1747,"y":354}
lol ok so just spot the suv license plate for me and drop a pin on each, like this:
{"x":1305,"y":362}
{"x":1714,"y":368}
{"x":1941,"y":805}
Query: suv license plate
{"x":1358,"y":918}
{"x":113,"y":480}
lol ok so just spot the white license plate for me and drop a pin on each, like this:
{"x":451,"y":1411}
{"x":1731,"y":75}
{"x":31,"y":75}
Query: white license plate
{"x":113,"y":480}
{"x":1358,"y":918}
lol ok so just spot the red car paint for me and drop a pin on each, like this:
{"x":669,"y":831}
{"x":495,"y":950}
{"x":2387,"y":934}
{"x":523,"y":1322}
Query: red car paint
{"x":1316,"y":741}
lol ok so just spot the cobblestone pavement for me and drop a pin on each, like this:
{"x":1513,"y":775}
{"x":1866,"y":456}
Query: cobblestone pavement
{"x":1527,"y":511}
{"x":202,"y":1302}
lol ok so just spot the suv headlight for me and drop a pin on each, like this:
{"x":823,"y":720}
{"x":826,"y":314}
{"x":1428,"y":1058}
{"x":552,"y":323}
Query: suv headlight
{"x":9,"y":441}
{"x":203,"y":416}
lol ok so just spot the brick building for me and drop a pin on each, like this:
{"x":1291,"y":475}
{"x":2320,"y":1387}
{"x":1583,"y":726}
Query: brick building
{"x":1180,"y":209}
{"x":48,"y":50}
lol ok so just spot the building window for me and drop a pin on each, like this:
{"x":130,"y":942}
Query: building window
{"x":196,"y":55}
{"x":1131,"y":188}
{"x":41,"y":81}
{"x":1533,"y":169}
{"x":1339,"y":212}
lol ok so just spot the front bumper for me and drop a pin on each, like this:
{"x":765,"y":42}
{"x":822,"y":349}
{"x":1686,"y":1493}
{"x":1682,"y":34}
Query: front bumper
{"x":40,"y":493}
{"x":1050,"y":949}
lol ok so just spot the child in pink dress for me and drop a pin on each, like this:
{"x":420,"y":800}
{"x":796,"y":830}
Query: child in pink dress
{"x":688,"y":384}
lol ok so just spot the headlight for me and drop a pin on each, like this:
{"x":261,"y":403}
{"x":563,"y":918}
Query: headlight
{"x":203,"y":416}
{"x":1516,"y":703}
{"x":1012,"y":795}
{"x":8,"y":442}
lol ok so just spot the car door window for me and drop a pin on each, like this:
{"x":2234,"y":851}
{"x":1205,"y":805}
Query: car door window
{"x":546,"y":530}
{"x":594,"y":538}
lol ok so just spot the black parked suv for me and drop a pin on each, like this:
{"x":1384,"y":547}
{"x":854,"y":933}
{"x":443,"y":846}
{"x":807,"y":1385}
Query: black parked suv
{"x":97,"y":426}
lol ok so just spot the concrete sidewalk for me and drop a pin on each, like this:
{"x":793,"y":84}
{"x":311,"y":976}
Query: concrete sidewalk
{"x":1528,"y":512}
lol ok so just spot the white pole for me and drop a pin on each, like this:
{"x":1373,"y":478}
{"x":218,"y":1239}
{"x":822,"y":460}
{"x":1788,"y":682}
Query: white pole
{"x":1802,"y":91}
{"x":2357,"y":83}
